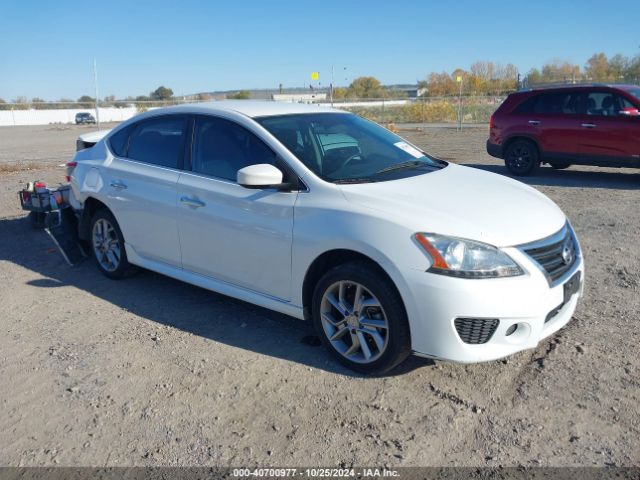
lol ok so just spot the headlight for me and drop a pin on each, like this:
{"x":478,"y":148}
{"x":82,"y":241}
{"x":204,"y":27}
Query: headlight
{"x":458,"y":257}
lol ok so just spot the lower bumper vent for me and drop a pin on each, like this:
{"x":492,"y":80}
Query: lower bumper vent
{"x":552,"y":314}
{"x":476,"y":330}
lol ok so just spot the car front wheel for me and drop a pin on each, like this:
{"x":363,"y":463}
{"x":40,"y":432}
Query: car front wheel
{"x":521,"y":158}
{"x":107,"y":245}
{"x":360,"y":318}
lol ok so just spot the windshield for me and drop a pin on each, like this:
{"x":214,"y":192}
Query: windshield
{"x":635,"y":92}
{"x":344,"y":148}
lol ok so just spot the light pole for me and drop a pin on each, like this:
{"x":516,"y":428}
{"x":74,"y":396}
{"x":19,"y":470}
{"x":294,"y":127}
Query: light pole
{"x":95,"y":81}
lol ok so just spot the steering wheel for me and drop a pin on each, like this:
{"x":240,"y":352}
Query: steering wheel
{"x":348,"y":160}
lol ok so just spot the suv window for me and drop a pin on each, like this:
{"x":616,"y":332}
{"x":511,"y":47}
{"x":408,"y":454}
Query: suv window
{"x":551,"y":103}
{"x":159,"y":141}
{"x":222,"y":147}
{"x":606,"y":104}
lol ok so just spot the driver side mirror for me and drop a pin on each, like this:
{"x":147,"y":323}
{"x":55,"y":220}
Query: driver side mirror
{"x":262,"y":175}
{"x":629,"y":112}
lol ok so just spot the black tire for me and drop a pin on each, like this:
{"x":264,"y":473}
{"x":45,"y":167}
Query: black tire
{"x":521,"y":158}
{"x":124,"y":268}
{"x":398,"y":341}
{"x":559,"y":165}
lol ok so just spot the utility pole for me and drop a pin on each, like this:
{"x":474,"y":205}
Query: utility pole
{"x":331,"y":87}
{"x":459,"y":79}
{"x":95,"y":82}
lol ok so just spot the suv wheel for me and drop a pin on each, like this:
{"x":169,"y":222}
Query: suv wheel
{"x":521,"y":158}
{"x":360,"y":318}
{"x":107,"y":245}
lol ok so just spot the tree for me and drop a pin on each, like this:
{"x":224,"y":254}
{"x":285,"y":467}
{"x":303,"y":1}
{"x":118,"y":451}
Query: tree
{"x":241,"y":95}
{"x":597,"y":68}
{"x":161,"y":93}
{"x":554,"y":71}
{"x":440,"y":84}
{"x":86,"y":101}
{"x":38,"y":103}
{"x":367,"y":87}
{"x":20,"y":99}
{"x":632,"y":73}
{"x":340,"y":93}
{"x":2,"y":100}
{"x":203,"y":97}
{"x":618,"y":67}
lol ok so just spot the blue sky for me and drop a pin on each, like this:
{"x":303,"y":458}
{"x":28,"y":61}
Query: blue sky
{"x":47,"y":47}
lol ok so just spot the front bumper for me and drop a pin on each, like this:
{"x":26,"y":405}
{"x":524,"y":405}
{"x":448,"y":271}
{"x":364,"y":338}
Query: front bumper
{"x":527,"y":300}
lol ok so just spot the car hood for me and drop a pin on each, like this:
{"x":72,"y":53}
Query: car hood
{"x":463,"y":202}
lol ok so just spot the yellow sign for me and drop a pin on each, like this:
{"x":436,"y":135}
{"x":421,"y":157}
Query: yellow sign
{"x":315,"y":75}
{"x":459,"y":78}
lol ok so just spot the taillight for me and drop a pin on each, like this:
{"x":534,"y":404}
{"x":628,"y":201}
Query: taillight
{"x":491,"y":124}
{"x":70,"y":165}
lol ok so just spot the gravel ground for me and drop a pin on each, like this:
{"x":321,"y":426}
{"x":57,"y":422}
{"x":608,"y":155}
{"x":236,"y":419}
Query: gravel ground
{"x":151,"y":371}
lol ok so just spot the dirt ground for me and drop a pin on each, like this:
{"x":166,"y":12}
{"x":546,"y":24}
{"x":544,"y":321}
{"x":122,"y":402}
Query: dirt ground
{"x":151,"y":371}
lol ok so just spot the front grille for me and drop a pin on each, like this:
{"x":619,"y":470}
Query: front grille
{"x":556,"y":254}
{"x":476,"y":330}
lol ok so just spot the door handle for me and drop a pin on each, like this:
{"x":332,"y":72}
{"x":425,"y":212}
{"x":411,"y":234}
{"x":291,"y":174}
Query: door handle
{"x":192,"y":202}
{"x":118,"y":185}
{"x":589,"y":125}
{"x":534,"y":122}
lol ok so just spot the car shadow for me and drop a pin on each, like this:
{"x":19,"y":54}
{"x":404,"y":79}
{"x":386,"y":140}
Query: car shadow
{"x":624,"y":179}
{"x":177,"y":304}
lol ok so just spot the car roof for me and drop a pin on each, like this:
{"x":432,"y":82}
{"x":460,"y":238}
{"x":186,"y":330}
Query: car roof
{"x":576,"y":86}
{"x":250,"y":108}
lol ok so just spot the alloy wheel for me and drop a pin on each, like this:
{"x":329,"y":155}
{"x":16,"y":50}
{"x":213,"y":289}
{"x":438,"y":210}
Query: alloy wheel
{"x":354,"y":322}
{"x":520,"y":158}
{"x":106,"y":245}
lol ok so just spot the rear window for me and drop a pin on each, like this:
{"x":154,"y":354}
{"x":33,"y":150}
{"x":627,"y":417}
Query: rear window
{"x":158,"y":141}
{"x":120,"y":140}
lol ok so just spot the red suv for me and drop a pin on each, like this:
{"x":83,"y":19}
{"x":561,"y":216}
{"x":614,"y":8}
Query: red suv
{"x":575,"y":124}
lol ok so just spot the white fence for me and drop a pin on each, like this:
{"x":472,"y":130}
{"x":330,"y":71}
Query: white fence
{"x":45,"y":117}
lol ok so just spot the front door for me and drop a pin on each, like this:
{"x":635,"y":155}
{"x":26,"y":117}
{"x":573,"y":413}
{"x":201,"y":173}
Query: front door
{"x":608,"y":135}
{"x":228,"y":232}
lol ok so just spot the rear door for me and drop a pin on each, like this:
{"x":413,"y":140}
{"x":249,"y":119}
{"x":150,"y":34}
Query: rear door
{"x":552,"y":119}
{"x":228,"y":232}
{"x":608,"y":135}
{"x":141,"y":186}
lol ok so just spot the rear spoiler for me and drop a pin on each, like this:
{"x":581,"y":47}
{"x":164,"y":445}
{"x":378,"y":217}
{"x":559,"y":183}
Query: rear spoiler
{"x":88,"y":140}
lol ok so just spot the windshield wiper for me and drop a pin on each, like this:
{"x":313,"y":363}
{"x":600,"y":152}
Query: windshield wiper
{"x":403,"y":165}
{"x":354,"y":180}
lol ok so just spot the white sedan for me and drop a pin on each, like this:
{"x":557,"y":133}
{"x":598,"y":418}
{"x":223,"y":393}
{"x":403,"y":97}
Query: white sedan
{"x":322,"y":215}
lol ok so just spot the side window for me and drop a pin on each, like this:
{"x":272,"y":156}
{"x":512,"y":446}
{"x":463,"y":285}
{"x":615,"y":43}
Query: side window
{"x":119,"y":141}
{"x":528,"y":106}
{"x":604,"y":104}
{"x":556,"y":103}
{"x":222,"y":147}
{"x":159,"y":141}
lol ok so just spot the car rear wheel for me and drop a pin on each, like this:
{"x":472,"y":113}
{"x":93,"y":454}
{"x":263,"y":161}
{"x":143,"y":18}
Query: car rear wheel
{"x":521,"y":158}
{"x":360,"y":318}
{"x":107,"y":245}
